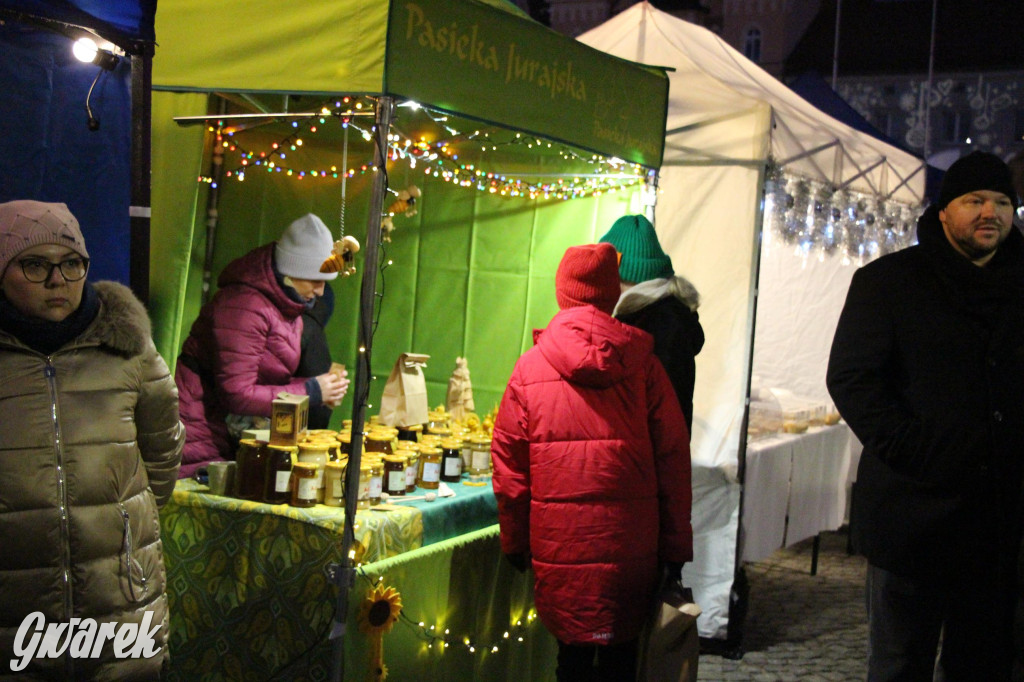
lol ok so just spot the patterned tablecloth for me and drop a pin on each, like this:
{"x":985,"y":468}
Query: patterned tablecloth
{"x":246,"y":581}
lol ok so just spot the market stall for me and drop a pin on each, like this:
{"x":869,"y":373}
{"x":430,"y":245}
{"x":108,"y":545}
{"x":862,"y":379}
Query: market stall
{"x":516,"y":143}
{"x":767,"y":205}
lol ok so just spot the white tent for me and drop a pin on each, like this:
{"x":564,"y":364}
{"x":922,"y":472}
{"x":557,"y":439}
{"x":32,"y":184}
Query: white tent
{"x":728,"y":122}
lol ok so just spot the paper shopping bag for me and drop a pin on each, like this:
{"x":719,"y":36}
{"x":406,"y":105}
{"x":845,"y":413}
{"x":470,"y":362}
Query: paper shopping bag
{"x":404,"y":402}
{"x":669,"y":645}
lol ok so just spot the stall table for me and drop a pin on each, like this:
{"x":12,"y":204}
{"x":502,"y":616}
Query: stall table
{"x":795,"y":486}
{"x":250,"y":597}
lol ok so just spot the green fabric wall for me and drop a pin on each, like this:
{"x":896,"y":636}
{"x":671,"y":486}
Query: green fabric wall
{"x":472,"y":274}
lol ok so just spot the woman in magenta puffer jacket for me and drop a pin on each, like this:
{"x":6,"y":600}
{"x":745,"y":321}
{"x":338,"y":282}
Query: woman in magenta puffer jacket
{"x":244,"y":347}
{"x":592,"y":471}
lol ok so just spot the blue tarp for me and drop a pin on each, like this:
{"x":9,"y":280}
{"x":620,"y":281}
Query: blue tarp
{"x":49,"y":152}
{"x":120,"y":21}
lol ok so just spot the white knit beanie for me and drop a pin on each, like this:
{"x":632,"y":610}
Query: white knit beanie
{"x":303,"y":247}
{"x":25,"y":223}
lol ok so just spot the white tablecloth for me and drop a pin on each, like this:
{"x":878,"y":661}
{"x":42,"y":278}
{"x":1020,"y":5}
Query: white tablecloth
{"x":795,"y":487}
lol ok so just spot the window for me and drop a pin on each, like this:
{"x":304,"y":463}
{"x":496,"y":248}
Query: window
{"x":884,"y":121}
{"x":955,"y":126}
{"x":752,"y":45}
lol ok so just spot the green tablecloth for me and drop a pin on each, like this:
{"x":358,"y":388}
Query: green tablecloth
{"x":250,"y":599}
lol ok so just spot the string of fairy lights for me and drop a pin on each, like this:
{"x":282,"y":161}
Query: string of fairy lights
{"x":436,"y":637}
{"x":817,"y":219}
{"x":438,"y":158}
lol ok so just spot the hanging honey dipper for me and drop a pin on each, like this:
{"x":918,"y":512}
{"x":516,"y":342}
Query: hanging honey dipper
{"x":342,"y":258}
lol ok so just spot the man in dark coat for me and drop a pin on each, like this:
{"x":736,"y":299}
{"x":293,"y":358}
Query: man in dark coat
{"x":927,"y":367}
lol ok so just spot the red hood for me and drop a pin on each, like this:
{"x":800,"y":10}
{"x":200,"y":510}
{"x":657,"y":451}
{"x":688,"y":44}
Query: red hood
{"x":589,"y":347}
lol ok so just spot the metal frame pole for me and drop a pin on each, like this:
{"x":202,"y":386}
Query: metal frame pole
{"x":344,"y":574}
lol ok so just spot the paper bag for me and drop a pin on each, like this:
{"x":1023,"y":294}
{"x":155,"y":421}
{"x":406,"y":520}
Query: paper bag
{"x":670,"y":645}
{"x":404,"y":401}
{"x":460,"y":391}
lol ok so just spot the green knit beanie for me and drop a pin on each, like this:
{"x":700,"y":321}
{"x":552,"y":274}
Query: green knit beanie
{"x":642,"y":258}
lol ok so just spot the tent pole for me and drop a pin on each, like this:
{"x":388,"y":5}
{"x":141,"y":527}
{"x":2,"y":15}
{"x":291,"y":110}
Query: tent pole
{"x":212,"y":208}
{"x":739,"y":592}
{"x":344,"y":574}
{"x":139,"y":211}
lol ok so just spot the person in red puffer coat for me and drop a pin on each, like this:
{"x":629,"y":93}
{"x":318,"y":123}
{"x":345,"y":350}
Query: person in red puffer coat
{"x":592,"y":472}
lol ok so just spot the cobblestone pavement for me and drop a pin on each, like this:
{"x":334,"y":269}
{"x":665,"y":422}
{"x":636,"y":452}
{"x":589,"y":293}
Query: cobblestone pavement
{"x":801,"y":627}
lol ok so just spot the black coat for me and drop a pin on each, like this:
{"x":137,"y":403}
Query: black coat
{"x":316,"y":353}
{"x":678,"y":337}
{"x":927,"y":367}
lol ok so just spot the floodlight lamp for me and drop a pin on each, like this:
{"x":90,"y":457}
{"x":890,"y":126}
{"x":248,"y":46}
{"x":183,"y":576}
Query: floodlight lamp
{"x":86,"y":50}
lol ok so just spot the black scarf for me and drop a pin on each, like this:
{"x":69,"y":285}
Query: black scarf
{"x":984,"y":290}
{"x":45,"y":336}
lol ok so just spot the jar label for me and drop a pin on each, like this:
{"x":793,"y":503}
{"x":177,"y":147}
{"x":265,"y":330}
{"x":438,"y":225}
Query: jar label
{"x":431,"y":472}
{"x":307,"y":489}
{"x":281,"y":481}
{"x":376,"y":486}
{"x":336,"y":488}
{"x":452,"y":466}
{"x":410,"y":476}
{"x":396,"y":481}
{"x":481,"y":459}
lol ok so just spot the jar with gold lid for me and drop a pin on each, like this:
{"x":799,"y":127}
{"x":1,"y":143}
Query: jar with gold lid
{"x":480,"y":458}
{"x":437,"y":419}
{"x":280,"y":458}
{"x":394,"y":474}
{"x":345,"y":442}
{"x":379,"y":442}
{"x":317,"y":454}
{"x":405,"y":445}
{"x":441,"y":430}
{"x":451,"y":460}
{"x":363,"y":501}
{"x":430,"y":468}
{"x":251,"y":463}
{"x":376,"y":480}
{"x":412,"y":432}
{"x":334,"y":482}
{"x":431,"y":440}
{"x":412,"y":466}
{"x":303,"y":484}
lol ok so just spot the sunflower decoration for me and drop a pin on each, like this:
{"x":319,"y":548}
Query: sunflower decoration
{"x":377,"y":614}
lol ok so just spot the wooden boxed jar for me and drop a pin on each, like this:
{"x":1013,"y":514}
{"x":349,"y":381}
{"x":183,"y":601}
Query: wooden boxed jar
{"x":289,"y":415}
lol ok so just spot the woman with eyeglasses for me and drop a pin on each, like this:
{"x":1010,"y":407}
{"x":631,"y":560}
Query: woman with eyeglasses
{"x":90,"y":444}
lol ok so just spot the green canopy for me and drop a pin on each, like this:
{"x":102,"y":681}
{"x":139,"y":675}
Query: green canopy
{"x":481,"y":60}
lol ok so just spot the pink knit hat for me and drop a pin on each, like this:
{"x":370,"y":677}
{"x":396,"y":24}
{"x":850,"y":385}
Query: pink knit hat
{"x":588,"y":275}
{"x":26,"y":223}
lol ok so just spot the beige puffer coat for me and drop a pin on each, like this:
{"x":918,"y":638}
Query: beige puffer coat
{"x":90,"y":444}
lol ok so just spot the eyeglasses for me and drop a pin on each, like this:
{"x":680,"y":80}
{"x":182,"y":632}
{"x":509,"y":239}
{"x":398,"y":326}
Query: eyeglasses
{"x":39,"y":269}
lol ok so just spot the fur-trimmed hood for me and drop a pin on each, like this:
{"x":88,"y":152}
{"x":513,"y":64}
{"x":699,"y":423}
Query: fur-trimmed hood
{"x":122,"y":324}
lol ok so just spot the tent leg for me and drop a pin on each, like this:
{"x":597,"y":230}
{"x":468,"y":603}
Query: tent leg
{"x":344,"y":574}
{"x":141,"y":167}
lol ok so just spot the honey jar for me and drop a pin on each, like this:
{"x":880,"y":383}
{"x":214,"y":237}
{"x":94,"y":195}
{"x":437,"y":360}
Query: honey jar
{"x":379,"y":442}
{"x":303,"y":484}
{"x":412,"y":432}
{"x":480,"y":459}
{"x":279,"y":472}
{"x":451,"y":460}
{"x":363,"y":501}
{"x":317,"y":454}
{"x":251,"y":458}
{"x":412,"y":466}
{"x":394,"y":474}
{"x":334,"y":483}
{"x":376,"y":480}
{"x":430,"y":468}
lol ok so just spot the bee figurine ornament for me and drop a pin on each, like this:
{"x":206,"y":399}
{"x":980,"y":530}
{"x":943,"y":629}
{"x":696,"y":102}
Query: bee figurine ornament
{"x":404,"y":204}
{"x":343,"y":257}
